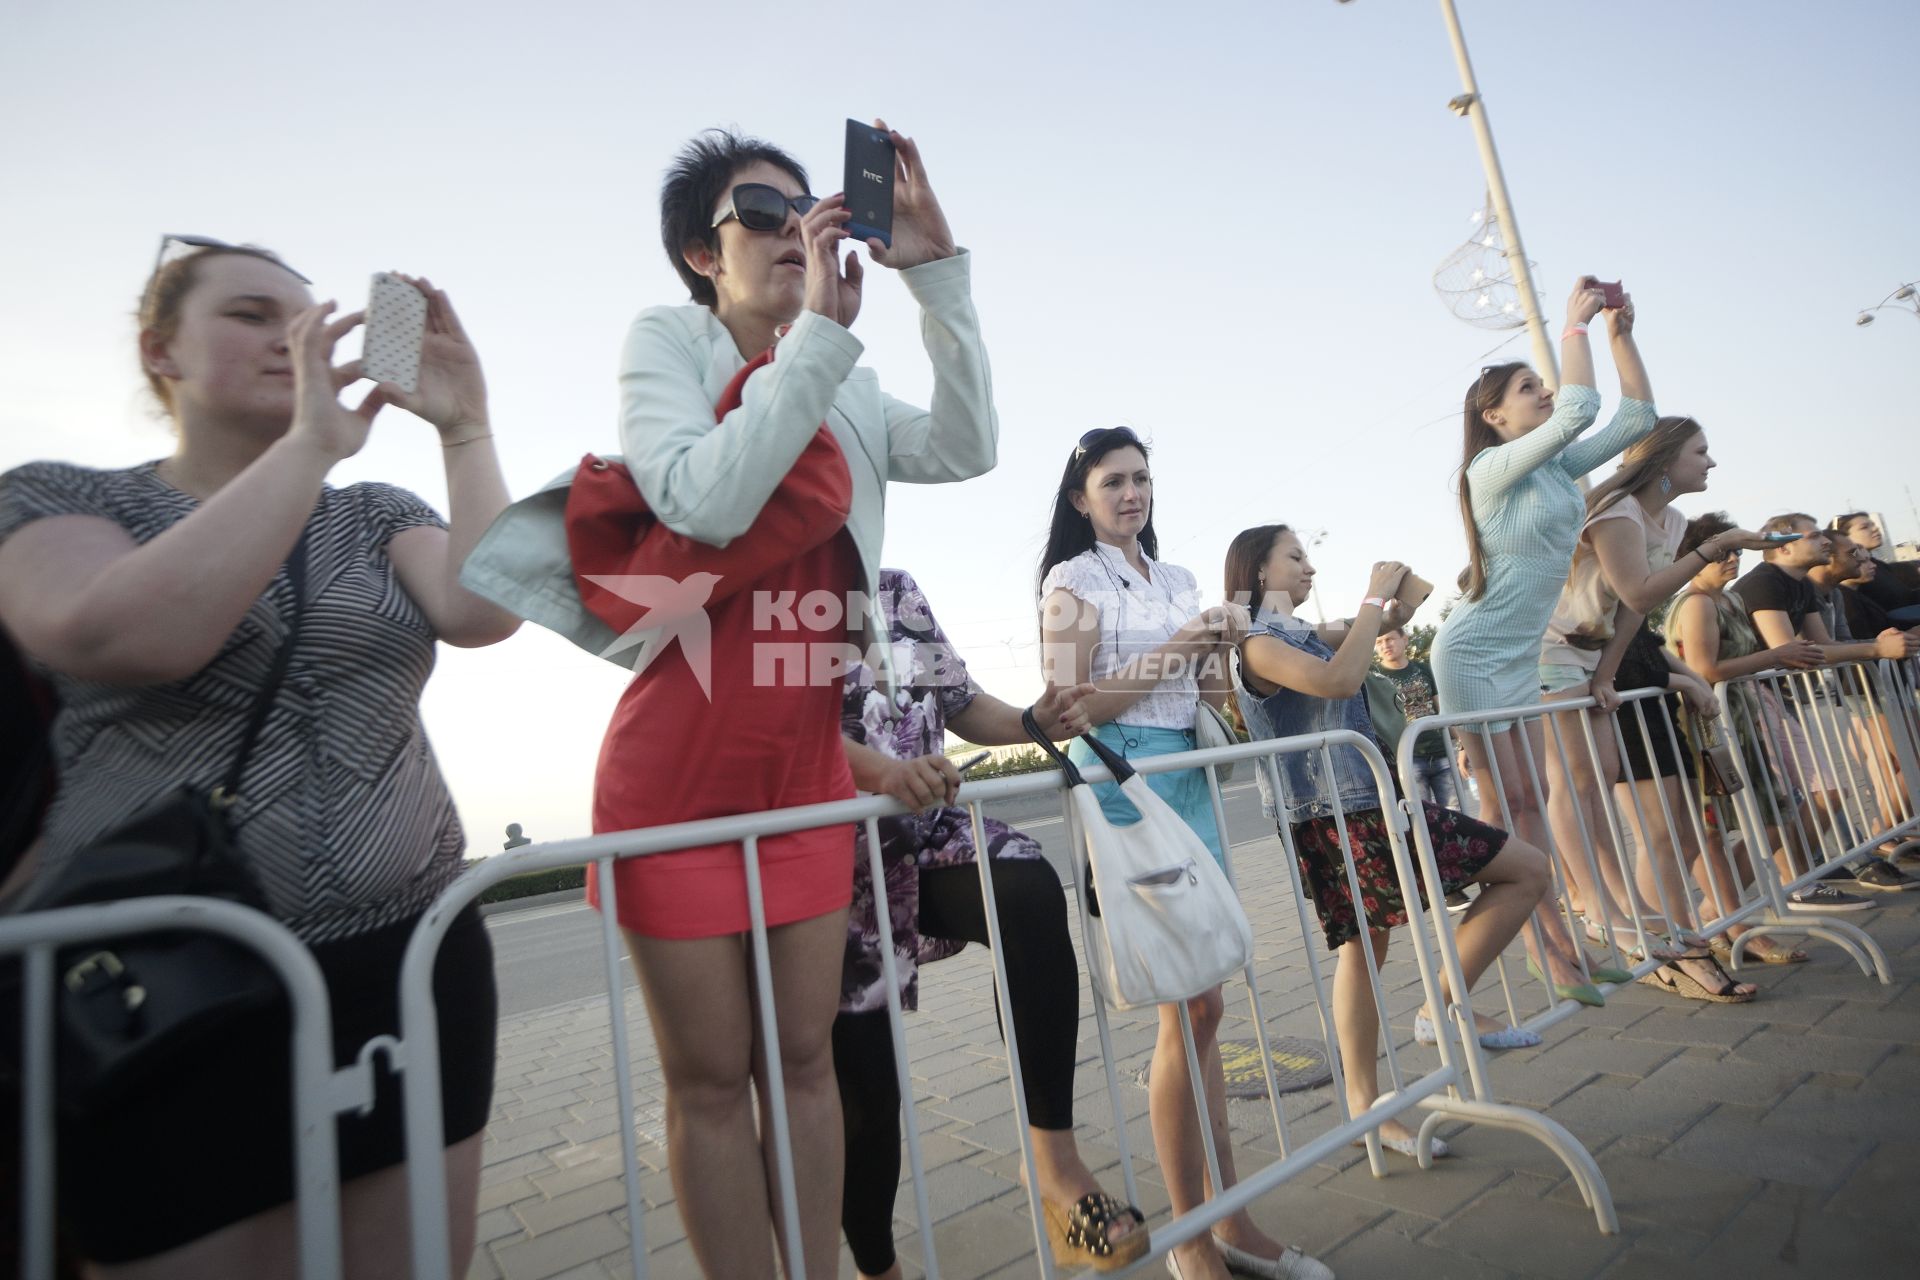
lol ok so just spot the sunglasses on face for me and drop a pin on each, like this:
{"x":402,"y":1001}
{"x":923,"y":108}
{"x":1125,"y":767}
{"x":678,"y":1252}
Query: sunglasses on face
{"x":175,"y":247}
{"x":761,"y":207}
{"x":1116,"y":435}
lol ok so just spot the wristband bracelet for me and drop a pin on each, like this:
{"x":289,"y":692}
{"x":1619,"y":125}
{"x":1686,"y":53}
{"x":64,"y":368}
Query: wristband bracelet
{"x":1378,"y":602}
{"x":1573,"y":329}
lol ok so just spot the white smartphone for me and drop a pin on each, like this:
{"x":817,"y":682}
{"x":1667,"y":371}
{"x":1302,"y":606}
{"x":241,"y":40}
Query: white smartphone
{"x":396,"y":328}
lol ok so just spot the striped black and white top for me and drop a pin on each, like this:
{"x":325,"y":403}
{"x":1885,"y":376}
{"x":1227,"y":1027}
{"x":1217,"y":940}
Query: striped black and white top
{"x":343,"y":814}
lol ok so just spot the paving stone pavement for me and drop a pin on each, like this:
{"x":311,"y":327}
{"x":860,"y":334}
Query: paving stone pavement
{"x":1778,"y":1138}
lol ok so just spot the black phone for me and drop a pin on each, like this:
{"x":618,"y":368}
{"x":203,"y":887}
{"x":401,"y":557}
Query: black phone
{"x":869,"y":183}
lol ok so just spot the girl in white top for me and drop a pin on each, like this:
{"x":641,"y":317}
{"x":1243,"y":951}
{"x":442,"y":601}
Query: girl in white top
{"x":1624,"y":567}
{"x":1112,"y":614}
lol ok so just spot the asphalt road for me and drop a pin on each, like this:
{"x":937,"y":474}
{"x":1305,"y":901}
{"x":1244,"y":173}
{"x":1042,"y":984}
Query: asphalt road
{"x":553,"y":954}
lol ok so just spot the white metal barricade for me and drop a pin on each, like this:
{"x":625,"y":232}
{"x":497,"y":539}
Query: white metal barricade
{"x":418,"y":1054}
{"x":319,"y":1092}
{"x":1857,"y":764}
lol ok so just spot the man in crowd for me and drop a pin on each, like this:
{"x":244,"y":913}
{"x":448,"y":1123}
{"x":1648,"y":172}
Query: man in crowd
{"x":1783,"y":602}
{"x":1900,"y":600}
{"x":1411,"y":686}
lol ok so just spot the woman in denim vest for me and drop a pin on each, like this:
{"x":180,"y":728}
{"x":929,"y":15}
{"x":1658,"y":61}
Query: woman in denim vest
{"x":1292,"y":682}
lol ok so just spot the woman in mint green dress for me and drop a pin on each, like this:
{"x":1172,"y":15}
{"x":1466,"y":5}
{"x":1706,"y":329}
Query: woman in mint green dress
{"x":1520,"y":498}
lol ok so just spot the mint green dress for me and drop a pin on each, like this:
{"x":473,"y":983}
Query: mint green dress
{"x":1528,"y":511}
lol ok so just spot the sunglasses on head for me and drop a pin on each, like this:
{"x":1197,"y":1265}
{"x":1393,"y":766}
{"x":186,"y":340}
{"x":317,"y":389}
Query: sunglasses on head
{"x":1117,"y":435}
{"x":175,"y":247}
{"x":761,"y":207}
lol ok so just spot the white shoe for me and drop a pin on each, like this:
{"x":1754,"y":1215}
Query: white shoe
{"x":1290,"y":1265}
{"x":1409,"y":1147}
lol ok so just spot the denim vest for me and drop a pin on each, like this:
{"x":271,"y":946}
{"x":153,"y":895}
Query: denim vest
{"x":1306,"y":789}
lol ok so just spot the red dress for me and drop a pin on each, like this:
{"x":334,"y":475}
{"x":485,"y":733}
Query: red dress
{"x":767,"y":739}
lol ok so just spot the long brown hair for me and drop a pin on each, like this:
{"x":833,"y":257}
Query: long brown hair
{"x":1487,"y":391}
{"x":1245,"y":554}
{"x":1644,"y":460}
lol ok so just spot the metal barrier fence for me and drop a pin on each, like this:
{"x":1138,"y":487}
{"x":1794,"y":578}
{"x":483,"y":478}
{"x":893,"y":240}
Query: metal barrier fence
{"x":319,"y":1091}
{"x":419,"y":1051}
{"x":1858,"y":735}
{"x":1782,"y":739}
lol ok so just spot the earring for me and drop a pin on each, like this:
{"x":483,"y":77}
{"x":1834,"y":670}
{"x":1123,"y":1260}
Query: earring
{"x":1666,"y":485}
{"x":1086,"y":515}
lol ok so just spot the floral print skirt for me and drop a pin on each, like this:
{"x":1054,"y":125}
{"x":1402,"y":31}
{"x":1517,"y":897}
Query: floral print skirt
{"x":1463,"y":847}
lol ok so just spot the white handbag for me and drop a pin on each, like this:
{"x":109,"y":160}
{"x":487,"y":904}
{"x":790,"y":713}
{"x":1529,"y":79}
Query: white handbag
{"x":1166,"y":925}
{"x":1210,"y":729}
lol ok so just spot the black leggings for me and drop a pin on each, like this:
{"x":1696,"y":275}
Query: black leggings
{"x":1044,"y":983}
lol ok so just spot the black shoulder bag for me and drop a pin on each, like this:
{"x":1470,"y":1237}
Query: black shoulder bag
{"x":128,"y":1006}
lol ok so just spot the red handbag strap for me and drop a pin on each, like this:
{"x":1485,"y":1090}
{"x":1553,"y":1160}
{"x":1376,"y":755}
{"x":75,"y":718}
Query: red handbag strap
{"x":735,"y":390}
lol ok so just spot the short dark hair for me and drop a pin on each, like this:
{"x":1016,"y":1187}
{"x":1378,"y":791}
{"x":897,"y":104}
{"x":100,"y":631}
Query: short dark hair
{"x":701,"y":172}
{"x":1701,"y":528}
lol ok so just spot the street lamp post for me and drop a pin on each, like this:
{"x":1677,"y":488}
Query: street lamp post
{"x":1905,"y":298}
{"x":1470,"y":105}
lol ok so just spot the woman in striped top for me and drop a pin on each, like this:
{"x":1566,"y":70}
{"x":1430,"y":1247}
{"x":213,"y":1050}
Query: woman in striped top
{"x":153,"y":598}
{"x":1523,"y":512}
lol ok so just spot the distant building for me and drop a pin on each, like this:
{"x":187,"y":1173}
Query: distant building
{"x":1906,"y":551}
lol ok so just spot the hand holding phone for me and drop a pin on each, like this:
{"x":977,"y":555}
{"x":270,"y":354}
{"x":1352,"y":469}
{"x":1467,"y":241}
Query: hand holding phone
{"x":1413,"y":592}
{"x":1612,"y":296}
{"x":871,"y":159}
{"x":396,"y":330}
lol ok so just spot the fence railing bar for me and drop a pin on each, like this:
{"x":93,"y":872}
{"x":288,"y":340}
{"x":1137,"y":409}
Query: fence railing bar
{"x":622,"y":1064}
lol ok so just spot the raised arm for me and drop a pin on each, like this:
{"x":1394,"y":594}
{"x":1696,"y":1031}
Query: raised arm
{"x":452,"y":396}
{"x":1636,"y":415}
{"x":959,"y":436}
{"x":706,"y":481}
{"x":80,"y":595}
{"x":1493,"y":471}
{"x":1274,"y":663}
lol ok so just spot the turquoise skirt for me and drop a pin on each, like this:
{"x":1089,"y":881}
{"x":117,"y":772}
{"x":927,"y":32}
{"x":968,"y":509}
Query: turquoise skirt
{"x":1185,"y":790}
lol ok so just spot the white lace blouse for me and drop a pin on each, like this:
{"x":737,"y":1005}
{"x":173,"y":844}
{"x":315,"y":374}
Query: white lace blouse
{"x":1137,"y":615}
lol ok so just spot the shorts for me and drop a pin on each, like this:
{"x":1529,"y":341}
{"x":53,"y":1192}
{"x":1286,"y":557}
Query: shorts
{"x":1661,"y":762}
{"x":1556,"y":677}
{"x":208,"y":1141}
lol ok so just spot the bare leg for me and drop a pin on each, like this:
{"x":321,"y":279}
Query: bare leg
{"x":1662,"y":865}
{"x":805,"y":958}
{"x":1515,"y":783}
{"x":1357,"y":1024}
{"x":1512,"y":886}
{"x":1176,"y":1122}
{"x":698,"y":1002}
{"x":1584,"y":803}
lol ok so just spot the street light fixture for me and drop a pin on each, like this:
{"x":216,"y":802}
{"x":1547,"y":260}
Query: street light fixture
{"x":1905,"y":294}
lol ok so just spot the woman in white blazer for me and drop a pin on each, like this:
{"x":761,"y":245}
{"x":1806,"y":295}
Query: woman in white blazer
{"x":765,"y":265}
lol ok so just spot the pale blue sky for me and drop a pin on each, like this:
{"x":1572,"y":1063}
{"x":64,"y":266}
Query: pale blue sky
{"x":1217,"y":222}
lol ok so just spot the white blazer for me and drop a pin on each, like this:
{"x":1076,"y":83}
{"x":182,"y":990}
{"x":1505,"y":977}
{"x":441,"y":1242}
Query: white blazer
{"x":709,"y":481}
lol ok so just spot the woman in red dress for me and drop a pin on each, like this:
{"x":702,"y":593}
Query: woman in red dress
{"x":738,"y":711}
